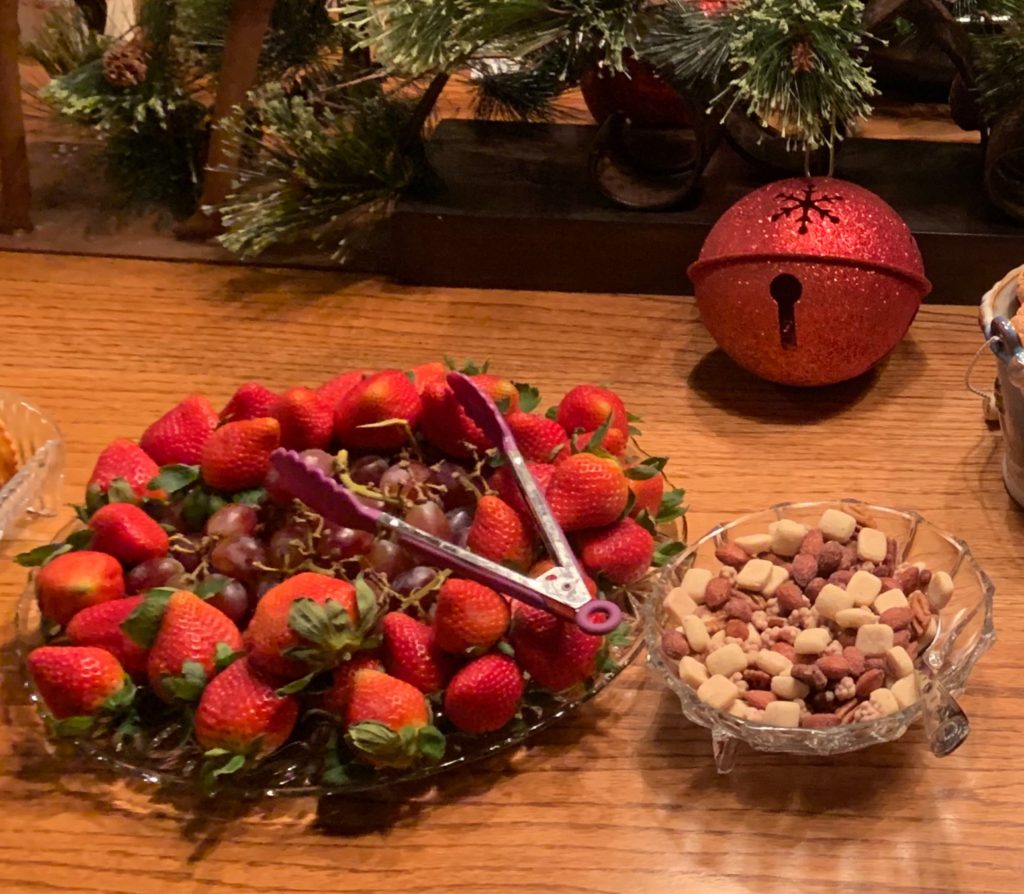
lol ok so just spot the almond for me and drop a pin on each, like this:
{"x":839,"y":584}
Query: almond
{"x":810,"y":674}
{"x":785,"y":649}
{"x":758,"y":698}
{"x":804,"y":569}
{"x":757,"y":679}
{"x":835,"y":667}
{"x":869,"y":681}
{"x":790,"y":598}
{"x":740,"y":608}
{"x":674,"y":645}
{"x":898,"y":618}
{"x":813,"y":543}
{"x":819,"y":721}
{"x":717,"y":593}
{"x":855,"y":657}
{"x":736,"y":629}
{"x":829,"y":558}
{"x":908,"y":579}
{"x":732,"y":555}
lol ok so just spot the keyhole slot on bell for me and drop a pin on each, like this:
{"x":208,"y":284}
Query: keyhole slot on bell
{"x":785,"y":290}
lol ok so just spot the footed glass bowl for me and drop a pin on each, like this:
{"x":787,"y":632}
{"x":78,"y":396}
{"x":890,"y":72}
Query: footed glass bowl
{"x":162,"y":755}
{"x":38,"y":452}
{"x":965,"y":632}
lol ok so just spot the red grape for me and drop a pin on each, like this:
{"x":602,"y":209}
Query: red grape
{"x":285,"y":547}
{"x":164,"y":571}
{"x":460,"y":521}
{"x":454,"y":483}
{"x":234,"y":556}
{"x":187,"y":551}
{"x":233,"y":600}
{"x":367,"y":470}
{"x":388,"y":558}
{"x":413,"y":579}
{"x":314,"y":458}
{"x":430,"y":517}
{"x":405,"y":479}
{"x":337,"y":543}
{"x":230,"y":520}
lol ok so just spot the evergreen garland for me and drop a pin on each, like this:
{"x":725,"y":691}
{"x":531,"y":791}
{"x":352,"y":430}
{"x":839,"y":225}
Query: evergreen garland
{"x":1000,"y":57}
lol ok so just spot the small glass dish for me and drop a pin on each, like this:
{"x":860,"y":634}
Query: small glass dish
{"x":965,"y":632}
{"x":35,"y":489}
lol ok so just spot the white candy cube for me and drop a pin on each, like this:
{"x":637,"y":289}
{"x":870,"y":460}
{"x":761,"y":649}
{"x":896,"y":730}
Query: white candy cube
{"x":832,"y":600}
{"x":780,"y":713}
{"x":872,"y":545}
{"x":778,"y":577}
{"x":679,"y":604}
{"x":906,"y":691}
{"x":787,"y":536}
{"x":837,"y":525}
{"x":890,"y":599}
{"x":727,"y":661}
{"x":773,"y":663}
{"x":692,"y":672}
{"x":813,"y":641}
{"x":898,"y":663}
{"x":696,"y":633}
{"x":785,"y":686}
{"x":754,"y":544}
{"x":695,"y":582}
{"x":940,"y":590}
{"x":864,"y":587}
{"x":884,"y":701}
{"x":718,"y":691}
{"x":874,"y":640}
{"x":851,"y":618}
{"x":754,"y":576}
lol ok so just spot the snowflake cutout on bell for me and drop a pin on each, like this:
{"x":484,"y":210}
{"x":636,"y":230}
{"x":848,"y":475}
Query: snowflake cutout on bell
{"x":809,"y":281}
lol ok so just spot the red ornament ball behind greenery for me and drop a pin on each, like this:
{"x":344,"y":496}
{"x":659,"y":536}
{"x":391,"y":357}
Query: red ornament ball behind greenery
{"x":809,"y":281}
{"x":639,"y":93}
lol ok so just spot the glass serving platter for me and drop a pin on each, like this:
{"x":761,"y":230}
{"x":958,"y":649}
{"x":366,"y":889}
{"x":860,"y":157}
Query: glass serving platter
{"x":164,"y":757}
{"x":965,"y":632}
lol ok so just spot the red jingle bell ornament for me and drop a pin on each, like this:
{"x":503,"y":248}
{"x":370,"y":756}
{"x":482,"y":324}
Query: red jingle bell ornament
{"x":809,"y":281}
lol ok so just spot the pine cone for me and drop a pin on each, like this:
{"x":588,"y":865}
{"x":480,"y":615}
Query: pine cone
{"x":801,"y":57}
{"x":125,"y":64}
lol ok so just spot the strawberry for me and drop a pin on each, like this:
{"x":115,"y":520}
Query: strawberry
{"x":334,"y":390}
{"x":502,"y":391}
{"x":427,"y":373}
{"x":613,"y":441}
{"x":383,"y":396}
{"x":389,"y":722}
{"x":587,"y":491}
{"x":499,"y":533}
{"x":555,"y":653}
{"x":308,"y":622}
{"x":74,"y":581}
{"x":237,"y":456}
{"x":647,"y":494}
{"x":78,"y":680}
{"x":336,"y":698}
{"x":507,"y":487}
{"x":240,"y":712}
{"x":125,"y":459}
{"x":587,"y":407}
{"x":539,"y":439}
{"x":621,"y":553}
{"x":411,"y":653}
{"x":189,"y":634}
{"x":485,"y":694}
{"x":546,"y":565}
{"x":445,"y":424}
{"x":124,"y":531}
{"x":251,"y":400}
{"x":469,"y":617}
{"x":100,"y":626}
{"x":180,"y":434}
{"x":306,"y":419}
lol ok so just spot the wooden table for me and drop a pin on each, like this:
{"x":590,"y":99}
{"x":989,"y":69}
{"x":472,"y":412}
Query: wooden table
{"x":623,"y":796}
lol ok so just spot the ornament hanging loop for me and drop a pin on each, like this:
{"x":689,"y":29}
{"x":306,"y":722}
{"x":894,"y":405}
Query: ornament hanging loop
{"x":989,"y":406}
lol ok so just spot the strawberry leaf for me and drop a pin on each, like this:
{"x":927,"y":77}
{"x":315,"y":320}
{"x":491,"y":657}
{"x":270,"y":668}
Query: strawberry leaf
{"x":671,"y":506}
{"x":81,"y":512}
{"x":648,"y":468}
{"x":666,"y":551}
{"x":621,"y":636}
{"x":224,"y":656}
{"x":632,"y":417}
{"x":189,"y":684}
{"x":503,"y":404}
{"x":630,"y":503}
{"x":380,"y":742}
{"x":234,"y":764}
{"x":597,"y":438}
{"x":645,"y":521}
{"x":505,"y":647}
{"x":73,"y":727}
{"x":143,"y":624}
{"x":122,"y":699}
{"x":411,"y":376}
{"x":366,"y":602}
{"x":430,"y":743}
{"x":296,"y":685}
{"x":39,"y":556}
{"x":80,"y":539}
{"x":94,"y":499}
{"x":211,"y":586}
{"x":555,"y":451}
{"x":252,"y":497}
{"x":551,"y":413}
{"x":174,"y":478}
{"x":120,"y":491}
{"x":529,"y":397}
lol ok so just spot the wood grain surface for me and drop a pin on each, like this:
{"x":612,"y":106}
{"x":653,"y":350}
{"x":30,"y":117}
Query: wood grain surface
{"x":622,"y":796}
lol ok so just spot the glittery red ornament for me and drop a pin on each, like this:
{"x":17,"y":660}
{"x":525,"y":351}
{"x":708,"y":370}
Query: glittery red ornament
{"x":640,"y":93}
{"x":809,"y":281}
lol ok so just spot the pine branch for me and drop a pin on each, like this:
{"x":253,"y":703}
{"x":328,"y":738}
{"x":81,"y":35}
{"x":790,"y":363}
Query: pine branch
{"x":65,"y":42}
{"x":1000,"y":57}
{"x":528,"y":91}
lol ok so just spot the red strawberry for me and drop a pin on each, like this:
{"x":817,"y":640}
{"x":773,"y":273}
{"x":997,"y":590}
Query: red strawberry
{"x":469,"y":617}
{"x":179,"y":435}
{"x":505,"y":483}
{"x":334,"y":390}
{"x":546,"y":565}
{"x":411,"y":654}
{"x":100,"y":626}
{"x":389,"y":722}
{"x":587,"y":407}
{"x":587,"y":491}
{"x":240,"y":712}
{"x":385,"y":395}
{"x":621,"y":553}
{"x":75,"y":581}
{"x":613,"y":441}
{"x":485,"y":694}
{"x":250,"y":401}
{"x":306,"y":419}
{"x":502,"y":391}
{"x":499,"y":533}
{"x":76,"y":680}
{"x":190,"y":631}
{"x":539,"y":439}
{"x":647,"y":493}
{"x":427,"y":373}
{"x":125,"y":459}
{"x":445,"y":424}
{"x":555,"y":653}
{"x":318,"y":634}
{"x":124,"y":531}
{"x":237,"y":456}
{"x":336,"y":698}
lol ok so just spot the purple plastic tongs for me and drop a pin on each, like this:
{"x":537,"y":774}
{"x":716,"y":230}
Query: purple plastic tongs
{"x":561,"y":590}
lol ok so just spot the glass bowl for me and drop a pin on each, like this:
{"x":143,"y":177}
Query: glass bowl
{"x":35,"y":489}
{"x":297,"y":768}
{"x":965,"y":632}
